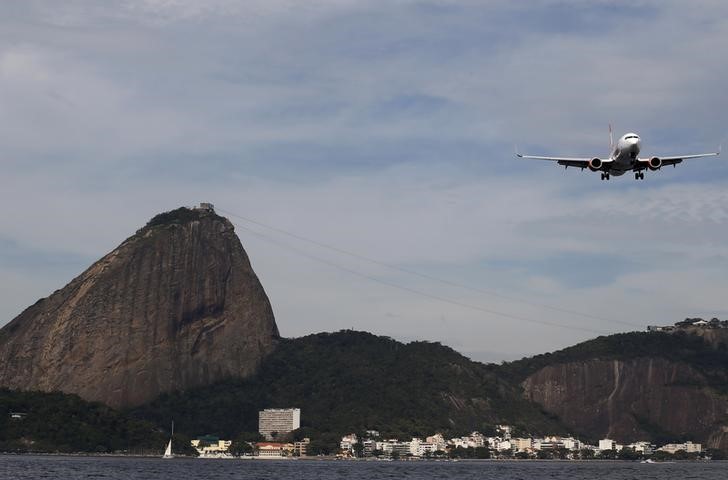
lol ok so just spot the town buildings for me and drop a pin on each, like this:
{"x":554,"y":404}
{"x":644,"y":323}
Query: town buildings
{"x":500,"y":446}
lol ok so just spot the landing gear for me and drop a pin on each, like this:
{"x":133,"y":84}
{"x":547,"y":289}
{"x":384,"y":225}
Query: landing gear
{"x":639,"y":175}
{"x":605,"y":176}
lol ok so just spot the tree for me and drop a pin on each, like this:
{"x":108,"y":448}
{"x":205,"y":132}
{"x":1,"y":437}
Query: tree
{"x":659,"y":455}
{"x":182,"y":445}
{"x":359,"y":449}
{"x":482,"y":452}
{"x":544,"y":455}
{"x":628,"y":454}
{"x":608,"y":454}
{"x":683,"y":455}
{"x":506,"y":453}
{"x":238,"y":449}
{"x":586,"y":453}
{"x":562,"y":453}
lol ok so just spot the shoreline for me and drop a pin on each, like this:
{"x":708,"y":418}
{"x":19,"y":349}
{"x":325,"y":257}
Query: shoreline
{"x":333,"y":459}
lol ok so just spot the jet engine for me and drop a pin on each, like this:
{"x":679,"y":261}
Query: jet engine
{"x":654,"y":163}
{"x":595,"y":164}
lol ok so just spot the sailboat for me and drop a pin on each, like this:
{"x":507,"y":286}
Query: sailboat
{"x":168,"y":450}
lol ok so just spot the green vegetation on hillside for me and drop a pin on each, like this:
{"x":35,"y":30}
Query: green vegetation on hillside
{"x":56,"y":422}
{"x":179,"y":215}
{"x":351,"y":381}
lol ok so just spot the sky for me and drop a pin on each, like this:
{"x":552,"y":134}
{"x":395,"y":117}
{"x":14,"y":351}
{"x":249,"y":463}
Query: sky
{"x":384,"y":129}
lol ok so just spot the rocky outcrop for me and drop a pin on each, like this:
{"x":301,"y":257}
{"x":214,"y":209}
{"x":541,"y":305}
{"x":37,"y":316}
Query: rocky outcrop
{"x":632,"y":399}
{"x":177,"y":305}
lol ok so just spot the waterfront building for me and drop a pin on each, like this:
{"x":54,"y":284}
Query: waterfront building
{"x":607,"y":444}
{"x":571,"y":443}
{"x":645,"y":448}
{"x":521,"y":444}
{"x":276,"y":422}
{"x":210,"y":446}
{"x":438,"y":441}
{"x":347,"y":444}
{"x":503,"y":445}
{"x":300,"y":448}
{"x":688,"y":447}
{"x":274,"y":449}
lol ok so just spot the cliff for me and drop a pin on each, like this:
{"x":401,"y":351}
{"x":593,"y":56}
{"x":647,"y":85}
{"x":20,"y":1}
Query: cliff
{"x":635,"y":386}
{"x":175,"y":306}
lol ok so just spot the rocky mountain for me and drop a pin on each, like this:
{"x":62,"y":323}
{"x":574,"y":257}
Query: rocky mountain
{"x":636,"y":386}
{"x":175,"y":306}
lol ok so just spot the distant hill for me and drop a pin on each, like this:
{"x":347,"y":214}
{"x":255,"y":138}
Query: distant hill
{"x":654,"y":386}
{"x":56,"y":422}
{"x":351,"y":381}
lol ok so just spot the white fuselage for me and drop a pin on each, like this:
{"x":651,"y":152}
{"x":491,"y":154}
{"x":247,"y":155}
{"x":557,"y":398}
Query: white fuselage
{"x":625,"y":154}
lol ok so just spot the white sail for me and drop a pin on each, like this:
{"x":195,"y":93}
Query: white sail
{"x":168,"y":451}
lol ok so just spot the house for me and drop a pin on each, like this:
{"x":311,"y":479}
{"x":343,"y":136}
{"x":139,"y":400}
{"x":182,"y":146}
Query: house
{"x":274,"y":449}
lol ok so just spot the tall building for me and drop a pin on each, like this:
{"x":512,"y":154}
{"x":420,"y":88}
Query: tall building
{"x":273,"y":423}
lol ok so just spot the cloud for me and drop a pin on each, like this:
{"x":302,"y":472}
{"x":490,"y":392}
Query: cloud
{"x":387,"y":129}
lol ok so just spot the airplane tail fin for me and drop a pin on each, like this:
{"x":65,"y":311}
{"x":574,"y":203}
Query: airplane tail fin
{"x":611,"y":139}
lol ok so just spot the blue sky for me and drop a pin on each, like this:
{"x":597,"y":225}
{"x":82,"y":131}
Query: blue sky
{"x":386,"y":129}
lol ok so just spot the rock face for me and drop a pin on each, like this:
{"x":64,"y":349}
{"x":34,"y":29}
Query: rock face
{"x":632,"y":399}
{"x":177,"y":305}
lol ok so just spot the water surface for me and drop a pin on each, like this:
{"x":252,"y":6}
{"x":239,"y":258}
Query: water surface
{"x":14,"y":467}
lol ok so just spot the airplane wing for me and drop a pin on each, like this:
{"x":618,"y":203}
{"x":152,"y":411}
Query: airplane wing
{"x":578,"y":162}
{"x":675,"y":159}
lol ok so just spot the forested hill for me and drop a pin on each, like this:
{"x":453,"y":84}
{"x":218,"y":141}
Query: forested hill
{"x":57,"y":422}
{"x":352,"y":381}
{"x":683,"y":346}
{"x":661,"y":387}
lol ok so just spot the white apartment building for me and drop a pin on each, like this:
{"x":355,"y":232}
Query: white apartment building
{"x":521,"y":444}
{"x":688,"y":447}
{"x":571,"y":443}
{"x":504,"y":430}
{"x":347,"y":443}
{"x":607,"y":444}
{"x":438,"y":441}
{"x":503,"y":445}
{"x":279,"y":421}
{"x":645,"y":448}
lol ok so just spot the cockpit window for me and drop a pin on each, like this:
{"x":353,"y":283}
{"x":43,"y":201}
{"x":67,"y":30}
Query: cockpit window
{"x":631,"y":136}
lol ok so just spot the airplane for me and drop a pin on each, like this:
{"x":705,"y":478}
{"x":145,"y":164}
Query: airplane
{"x":623,"y":158}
